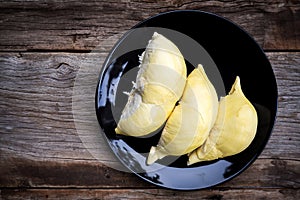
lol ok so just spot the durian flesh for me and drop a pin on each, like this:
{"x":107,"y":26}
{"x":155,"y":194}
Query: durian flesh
{"x":234,"y":129}
{"x":159,"y":85}
{"x":189,"y":124}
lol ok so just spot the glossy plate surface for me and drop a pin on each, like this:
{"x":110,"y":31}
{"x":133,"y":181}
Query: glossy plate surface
{"x":234,"y":53}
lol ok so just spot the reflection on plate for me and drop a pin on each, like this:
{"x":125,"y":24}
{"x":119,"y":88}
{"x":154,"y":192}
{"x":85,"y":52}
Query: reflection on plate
{"x":228,"y":51}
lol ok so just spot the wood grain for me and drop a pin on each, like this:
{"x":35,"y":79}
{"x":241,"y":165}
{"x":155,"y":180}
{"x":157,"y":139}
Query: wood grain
{"x":83,"y":25}
{"x":287,"y":73}
{"x":41,"y":145}
{"x":25,"y":173}
{"x":51,"y":53}
{"x":159,"y":194}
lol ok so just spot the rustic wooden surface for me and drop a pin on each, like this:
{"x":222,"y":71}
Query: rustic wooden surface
{"x":46,"y":49}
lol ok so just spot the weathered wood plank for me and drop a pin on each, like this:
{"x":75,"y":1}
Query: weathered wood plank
{"x":287,"y":127}
{"x":18,"y":172}
{"x":115,"y":194}
{"x":83,"y":25}
{"x":36,"y":95}
{"x":40,"y":145}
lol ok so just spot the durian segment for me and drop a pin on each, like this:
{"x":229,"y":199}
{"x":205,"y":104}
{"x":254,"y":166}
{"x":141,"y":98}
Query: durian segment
{"x":234,"y":129}
{"x":159,"y":85}
{"x":189,"y":124}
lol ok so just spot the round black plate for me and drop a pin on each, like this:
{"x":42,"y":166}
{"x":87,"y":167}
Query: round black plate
{"x":234,"y":53}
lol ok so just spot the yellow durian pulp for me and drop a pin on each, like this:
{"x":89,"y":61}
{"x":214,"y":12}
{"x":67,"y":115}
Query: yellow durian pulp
{"x":159,"y":85}
{"x":234,"y":129}
{"x":189,"y":124}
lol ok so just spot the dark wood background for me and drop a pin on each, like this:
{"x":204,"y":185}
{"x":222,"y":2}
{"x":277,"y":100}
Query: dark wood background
{"x":43,"y":47}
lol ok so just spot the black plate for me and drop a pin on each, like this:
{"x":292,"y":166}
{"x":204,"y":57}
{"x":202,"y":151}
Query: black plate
{"x":233,"y":52}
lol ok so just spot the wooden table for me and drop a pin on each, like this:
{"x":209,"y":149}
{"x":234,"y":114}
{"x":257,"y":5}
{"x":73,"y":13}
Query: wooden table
{"x":45,"y":46}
